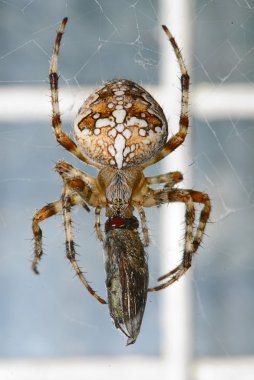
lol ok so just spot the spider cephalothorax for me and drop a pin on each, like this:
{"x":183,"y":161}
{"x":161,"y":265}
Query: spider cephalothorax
{"x":120,"y":129}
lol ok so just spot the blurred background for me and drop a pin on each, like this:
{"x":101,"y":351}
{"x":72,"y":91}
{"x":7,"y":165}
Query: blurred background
{"x":203,"y":325}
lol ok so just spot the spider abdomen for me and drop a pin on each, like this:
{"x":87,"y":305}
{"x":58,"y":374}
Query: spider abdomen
{"x":120,"y":125}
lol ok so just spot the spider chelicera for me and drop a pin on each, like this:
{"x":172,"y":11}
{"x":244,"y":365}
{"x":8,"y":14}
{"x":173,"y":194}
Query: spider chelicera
{"x":120,"y":129}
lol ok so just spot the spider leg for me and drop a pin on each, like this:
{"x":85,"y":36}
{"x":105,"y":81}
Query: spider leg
{"x":179,"y":137}
{"x":98,"y":223}
{"x":143,"y":225}
{"x":181,"y":196}
{"x":170,"y":179}
{"x":70,"y":245}
{"x":42,"y":214}
{"x":197,"y":197}
{"x":81,"y":183}
{"x":68,"y":171}
{"x":191,"y":243}
{"x":85,"y":188}
{"x":61,"y":137}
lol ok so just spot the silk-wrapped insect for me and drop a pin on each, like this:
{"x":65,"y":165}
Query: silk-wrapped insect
{"x":126,"y":275}
{"x":120,"y":130}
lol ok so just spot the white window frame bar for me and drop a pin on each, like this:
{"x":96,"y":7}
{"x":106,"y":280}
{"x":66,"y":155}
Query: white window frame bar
{"x":176,"y":362}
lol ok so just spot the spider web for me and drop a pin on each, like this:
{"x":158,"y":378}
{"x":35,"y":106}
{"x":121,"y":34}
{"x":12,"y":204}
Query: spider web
{"x":103,"y":40}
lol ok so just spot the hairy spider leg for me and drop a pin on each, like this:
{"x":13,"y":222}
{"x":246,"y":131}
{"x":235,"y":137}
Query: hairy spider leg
{"x":143,"y":225}
{"x":98,"y":223}
{"x":61,"y":137}
{"x":182,"y":196}
{"x":66,"y":170}
{"x":188,"y":197}
{"x":45,"y":212}
{"x":180,"y":136}
{"x":85,"y":188}
{"x":197,"y":197}
{"x":70,"y":245}
{"x":170,"y":179}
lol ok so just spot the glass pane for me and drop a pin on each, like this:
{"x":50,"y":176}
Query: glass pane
{"x":224,"y":39}
{"x":103,"y":40}
{"x":223,"y":287}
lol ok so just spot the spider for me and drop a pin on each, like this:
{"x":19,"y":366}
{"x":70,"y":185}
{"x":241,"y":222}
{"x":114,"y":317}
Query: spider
{"x":120,"y":129}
